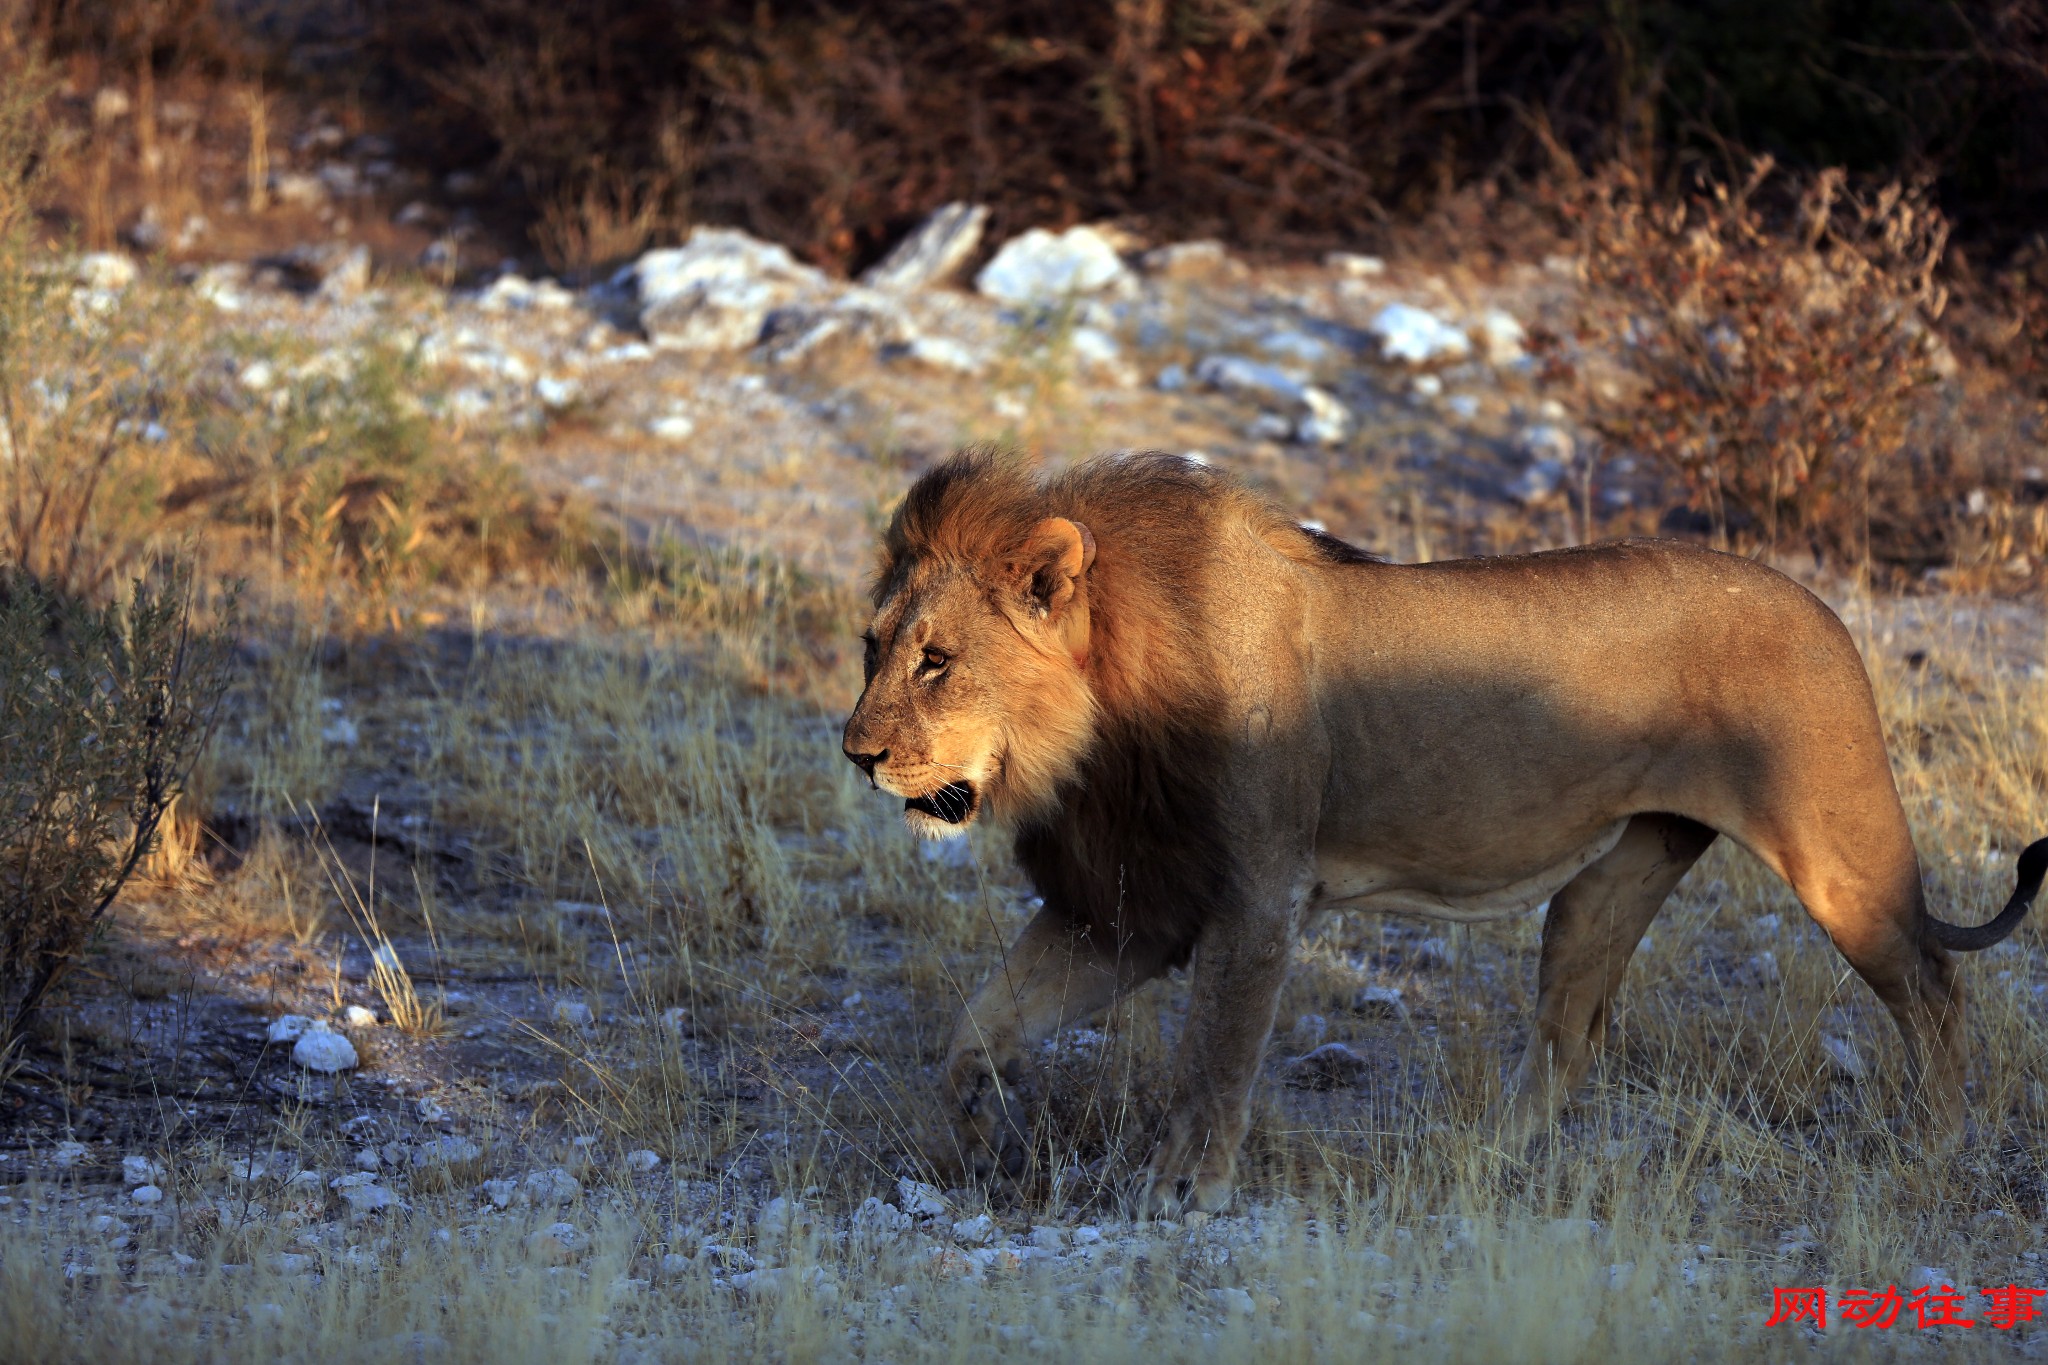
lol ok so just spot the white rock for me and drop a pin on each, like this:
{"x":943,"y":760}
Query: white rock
{"x":1764,"y":967}
{"x":288,"y":1028}
{"x":1041,"y":267}
{"x":557,"y":1243}
{"x":68,"y":1154}
{"x":934,"y":252}
{"x":222,"y":285}
{"x":1416,"y":336}
{"x":1233,"y":1302}
{"x":451,"y":1150}
{"x":359,"y":1016}
{"x":918,"y":1199}
{"x":552,"y":1186}
{"x":977,"y":1231}
{"x":323,"y":1050}
{"x":146,"y":1194}
{"x":1299,"y":347}
{"x":1501,"y":338}
{"x":672,"y":426}
{"x":361,"y":1193}
{"x":1385,"y":1000}
{"x":1332,"y":1064}
{"x":876,"y":1216}
{"x":675,"y":1018}
{"x":1540,"y":480}
{"x":341,"y":730}
{"x":1098,"y":352}
{"x":1172,"y":379}
{"x":714,"y":293}
{"x":258,"y":376}
{"x":1354,"y":265}
{"x":779,"y":1218}
{"x":727,"y":1258}
{"x":642,"y":1160}
{"x":1241,"y":376}
{"x":385,"y":955}
{"x":111,"y":271}
{"x":140,"y":1170}
{"x":500,"y":1192}
{"x":431,"y":1110}
{"x":573,"y":1014}
{"x":367,"y":1159}
{"x":1842,"y":1055}
{"x":110,"y":103}
{"x":1048,"y":1238}
{"x":297,"y":189}
{"x":944,"y":353}
{"x":1327,"y":420}
{"x":511,"y":293}
{"x":556,"y":394}
{"x":1546,"y":441}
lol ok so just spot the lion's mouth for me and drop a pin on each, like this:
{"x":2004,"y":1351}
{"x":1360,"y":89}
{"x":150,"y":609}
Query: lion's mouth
{"x":952,"y":803}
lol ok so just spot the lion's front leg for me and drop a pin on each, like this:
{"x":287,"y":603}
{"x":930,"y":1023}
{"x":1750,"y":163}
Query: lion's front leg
{"x":1240,"y":966}
{"x":1056,"y":974}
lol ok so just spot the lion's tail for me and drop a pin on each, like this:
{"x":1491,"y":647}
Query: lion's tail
{"x":1974,"y":938}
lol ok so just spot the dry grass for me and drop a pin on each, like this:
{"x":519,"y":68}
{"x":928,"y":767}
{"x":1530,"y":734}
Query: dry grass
{"x":621,"y":789}
{"x":655,"y":792}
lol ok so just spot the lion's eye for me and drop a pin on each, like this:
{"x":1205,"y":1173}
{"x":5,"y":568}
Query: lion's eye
{"x":871,"y":651}
{"x":935,"y":659}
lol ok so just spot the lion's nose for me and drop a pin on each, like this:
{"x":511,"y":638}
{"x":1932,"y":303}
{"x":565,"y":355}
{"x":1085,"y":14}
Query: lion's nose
{"x":866,"y":762}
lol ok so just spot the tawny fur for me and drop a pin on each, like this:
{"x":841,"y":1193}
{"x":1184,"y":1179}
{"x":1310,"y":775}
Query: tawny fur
{"x":1206,"y":723}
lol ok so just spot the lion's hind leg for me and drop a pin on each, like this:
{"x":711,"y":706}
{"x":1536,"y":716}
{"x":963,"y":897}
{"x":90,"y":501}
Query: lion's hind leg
{"x":1863,"y":889}
{"x":1592,"y":930}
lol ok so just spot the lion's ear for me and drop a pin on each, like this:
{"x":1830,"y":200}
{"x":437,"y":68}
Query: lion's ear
{"x":1044,"y":580}
{"x":1047,"y":567}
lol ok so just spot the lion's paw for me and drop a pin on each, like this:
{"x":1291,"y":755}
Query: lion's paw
{"x":1185,"y":1177}
{"x":987,"y":1120}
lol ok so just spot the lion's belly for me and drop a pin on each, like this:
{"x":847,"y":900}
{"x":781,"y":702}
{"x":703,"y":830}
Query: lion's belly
{"x":1354,"y":884}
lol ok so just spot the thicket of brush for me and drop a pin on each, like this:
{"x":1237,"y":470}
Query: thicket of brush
{"x":832,"y":128}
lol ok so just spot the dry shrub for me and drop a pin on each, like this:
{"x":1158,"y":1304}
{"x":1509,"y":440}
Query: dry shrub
{"x":344,"y":470}
{"x":102,"y":713}
{"x":1775,"y":360}
{"x":80,"y":382}
{"x":607,"y":216}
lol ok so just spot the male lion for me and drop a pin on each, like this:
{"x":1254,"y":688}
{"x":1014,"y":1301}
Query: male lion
{"x":1205,"y":722}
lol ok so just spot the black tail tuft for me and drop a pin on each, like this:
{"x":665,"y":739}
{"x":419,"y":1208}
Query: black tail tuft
{"x":1974,"y":938}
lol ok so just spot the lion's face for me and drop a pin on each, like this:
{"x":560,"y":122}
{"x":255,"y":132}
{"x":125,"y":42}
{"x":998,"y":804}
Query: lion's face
{"x":974,"y":700}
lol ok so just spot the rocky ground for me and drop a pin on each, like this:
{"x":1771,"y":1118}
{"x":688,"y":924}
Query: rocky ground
{"x":230,"y":1100}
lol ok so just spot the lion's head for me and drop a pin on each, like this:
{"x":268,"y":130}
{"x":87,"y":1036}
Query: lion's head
{"x":976,"y":698}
